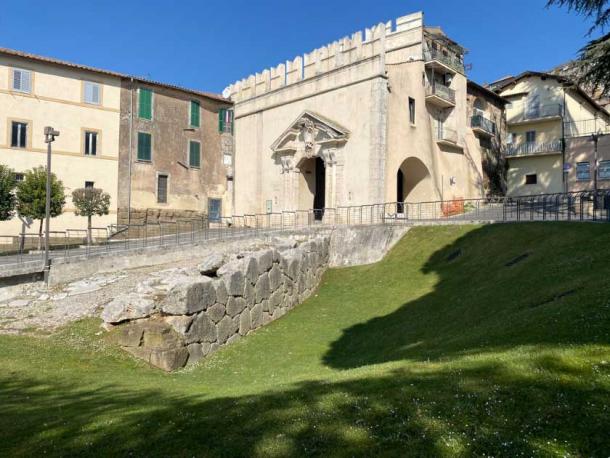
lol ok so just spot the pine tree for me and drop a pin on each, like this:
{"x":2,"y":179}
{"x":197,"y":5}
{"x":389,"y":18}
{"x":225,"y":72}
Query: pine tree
{"x":7,"y":193}
{"x":90,"y":202}
{"x":31,"y":195}
{"x":593,"y":64}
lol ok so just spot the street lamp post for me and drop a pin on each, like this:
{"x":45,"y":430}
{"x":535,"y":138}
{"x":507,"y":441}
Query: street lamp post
{"x":49,"y":137}
{"x":595,"y":138}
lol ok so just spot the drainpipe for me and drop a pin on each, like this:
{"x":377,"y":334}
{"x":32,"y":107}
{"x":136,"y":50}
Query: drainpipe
{"x":130,"y":149}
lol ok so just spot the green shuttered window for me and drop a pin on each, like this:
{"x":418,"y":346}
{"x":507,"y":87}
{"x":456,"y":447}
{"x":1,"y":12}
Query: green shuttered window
{"x":195,"y":113}
{"x":225,"y":120}
{"x":144,"y":147}
{"x":145,"y":103}
{"x":194,"y":154}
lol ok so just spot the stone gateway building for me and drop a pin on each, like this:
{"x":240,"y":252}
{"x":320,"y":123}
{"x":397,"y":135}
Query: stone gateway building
{"x":379,"y":117}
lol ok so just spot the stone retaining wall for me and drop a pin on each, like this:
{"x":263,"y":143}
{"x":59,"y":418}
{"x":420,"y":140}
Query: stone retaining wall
{"x":155,"y":215}
{"x":181,"y":315}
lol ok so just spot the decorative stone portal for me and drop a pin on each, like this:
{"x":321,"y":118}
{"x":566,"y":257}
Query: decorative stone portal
{"x":310,"y":154}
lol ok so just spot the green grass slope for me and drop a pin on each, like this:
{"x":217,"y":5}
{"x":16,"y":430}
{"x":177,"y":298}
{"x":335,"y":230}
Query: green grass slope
{"x":463,"y":341}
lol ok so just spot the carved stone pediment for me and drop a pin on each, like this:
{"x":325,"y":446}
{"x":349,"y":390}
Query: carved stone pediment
{"x":308,"y":134}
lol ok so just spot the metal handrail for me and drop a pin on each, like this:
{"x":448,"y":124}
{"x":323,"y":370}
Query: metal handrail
{"x":482,"y":122}
{"x":442,"y":91}
{"x":447,"y":59}
{"x":529,"y":148}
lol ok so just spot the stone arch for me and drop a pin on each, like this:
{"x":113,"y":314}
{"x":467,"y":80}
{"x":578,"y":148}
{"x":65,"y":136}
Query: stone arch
{"x":413,"y":182}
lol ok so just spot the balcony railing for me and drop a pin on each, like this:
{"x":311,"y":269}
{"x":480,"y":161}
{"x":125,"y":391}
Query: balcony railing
{"x":532,"y":148}
{"x":585,"y":127}
{"x":441,"y":91}
{"x":533,"y":112}
{"x":450,"y":60}
{"x":481,"y":122}
{"x":446,"y":134}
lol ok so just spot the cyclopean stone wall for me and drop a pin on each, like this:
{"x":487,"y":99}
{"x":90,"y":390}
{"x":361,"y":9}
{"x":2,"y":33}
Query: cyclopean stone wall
{"x":179,"y":316}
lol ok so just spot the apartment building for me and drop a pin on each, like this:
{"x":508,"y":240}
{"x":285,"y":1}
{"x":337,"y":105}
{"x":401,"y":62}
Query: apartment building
{"x":486,"y":111}
{"x":162,"y":152}
{"x":374,"y":117}
{"x":83,"y":104}
{"x":176,"y":154}
{"x":551,"y":146}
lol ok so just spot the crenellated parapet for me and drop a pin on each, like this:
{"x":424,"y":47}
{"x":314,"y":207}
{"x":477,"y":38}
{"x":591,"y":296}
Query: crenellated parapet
{"x":364,"y":45}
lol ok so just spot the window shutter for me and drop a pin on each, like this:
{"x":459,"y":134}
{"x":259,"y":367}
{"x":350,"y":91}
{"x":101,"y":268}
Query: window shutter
{"x":144,"y":146}
{"x":194,"y":154}
{"x":195,"y":113}
{"x":221,"y":119}
{"x":145,"y":110}
{"x":17,"y":80}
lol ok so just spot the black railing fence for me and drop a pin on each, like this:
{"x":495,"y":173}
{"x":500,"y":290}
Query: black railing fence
{"x":28,"y":249}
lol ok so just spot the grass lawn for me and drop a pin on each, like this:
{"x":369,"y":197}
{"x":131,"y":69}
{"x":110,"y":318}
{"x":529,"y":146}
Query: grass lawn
{"x":441,"y":349}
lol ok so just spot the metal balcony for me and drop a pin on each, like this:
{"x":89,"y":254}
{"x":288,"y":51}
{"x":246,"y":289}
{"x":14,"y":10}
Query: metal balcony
{"x":533,"y":113}
{"x":440,"y":95}
{"x":447,"y":62}
{"x":482,"y":126}
{"x":534,"y":148}
{"x":585,"y":127}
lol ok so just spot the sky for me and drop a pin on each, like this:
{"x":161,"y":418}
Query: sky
{"x":209,"y":44}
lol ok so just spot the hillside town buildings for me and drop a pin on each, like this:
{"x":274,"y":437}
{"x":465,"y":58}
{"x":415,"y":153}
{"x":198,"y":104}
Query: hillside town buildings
{"x":384,"y":115}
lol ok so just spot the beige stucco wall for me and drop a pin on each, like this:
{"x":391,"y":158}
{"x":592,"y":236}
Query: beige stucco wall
{"x":547,"y":168}
{"x":582,"y":149}
{"x":363,"y":84}
{"x":56,"y":100}
{"x":188,"y":187}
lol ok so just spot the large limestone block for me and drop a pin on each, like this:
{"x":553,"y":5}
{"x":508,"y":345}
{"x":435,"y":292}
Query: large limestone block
{"x":211,"y":263}
{"x":189,"y":297}
{"x":262,"y":288}
{"x":245,"y":322}
{"x":160,"y":336}
{"x":203,"y":329}
{"x":233,"y":277}
{"x":170,"y":359}
{"x":221,"y":292}
{"x":256,"y":314}
{"x":197,"y":351}
{"x":226,"y":328}
{"x":216,"y":312}
{"x":128,"y":307}
{"x":275,"y":300}
{"x":252,"y":270}
{"x":127,"y":335}
{"x":235,"y":305}
{"x":264,"y":260}
{"x":275,"y":277}
{"x":180,"y":323}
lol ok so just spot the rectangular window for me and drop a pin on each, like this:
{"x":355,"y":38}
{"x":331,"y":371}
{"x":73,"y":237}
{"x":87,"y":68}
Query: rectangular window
{"x":227,"y":159}
{"x":162,"y":189}
{"x":530,"y":136}
{"x":19,"y":134}
{"x":90,"y":143}
{"x":194,"y":154}
{"x":225,"y":120}
{"x":92,"y":93}
{"x":145,"y":103}
{"x":583,"y":171}
{"x":411,"y":110}
{"x":19,"y":177}
{"x":22,"y":80}
{"x":532,"y":178}
{"x":144,"y":147}
{"x":195,"y":113}
{"x":214,"y":209}
{"x":89,"y":184}
{"x":604,"y":170}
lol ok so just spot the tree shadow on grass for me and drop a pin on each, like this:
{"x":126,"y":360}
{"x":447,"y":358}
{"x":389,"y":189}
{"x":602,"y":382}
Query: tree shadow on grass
{"x":497,"y":289}
{"x":485,"y":408}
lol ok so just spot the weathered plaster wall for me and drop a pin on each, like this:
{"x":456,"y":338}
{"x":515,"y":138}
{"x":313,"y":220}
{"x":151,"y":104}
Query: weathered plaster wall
{"x":188,"y":188}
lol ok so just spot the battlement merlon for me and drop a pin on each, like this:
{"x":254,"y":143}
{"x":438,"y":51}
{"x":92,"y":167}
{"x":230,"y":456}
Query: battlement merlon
{"x":404,"y":32}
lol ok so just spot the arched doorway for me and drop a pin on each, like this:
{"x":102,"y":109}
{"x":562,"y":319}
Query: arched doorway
{"x":312,"y":186}
{"x":413,"y":183}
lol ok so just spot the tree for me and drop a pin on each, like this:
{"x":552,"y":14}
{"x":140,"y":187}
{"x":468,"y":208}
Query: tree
{"x":90,"y":202}
{"x":593,"y":65}
{"x":31,"y":195}
{"x":7,"y":193}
